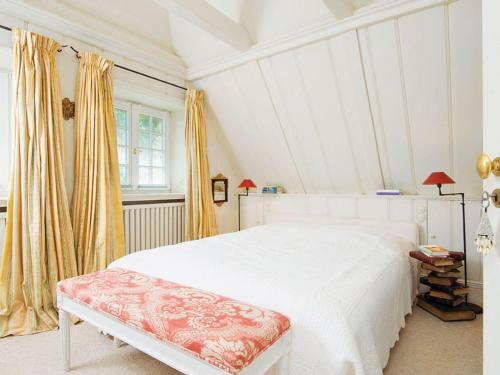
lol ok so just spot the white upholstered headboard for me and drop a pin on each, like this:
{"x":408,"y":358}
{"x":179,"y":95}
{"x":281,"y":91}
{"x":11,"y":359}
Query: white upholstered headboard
{"x":407,"y":230}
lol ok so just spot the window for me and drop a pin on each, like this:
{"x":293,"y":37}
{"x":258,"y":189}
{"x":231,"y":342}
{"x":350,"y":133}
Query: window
{"x":122,"y":140}
{"x":142,"y":140}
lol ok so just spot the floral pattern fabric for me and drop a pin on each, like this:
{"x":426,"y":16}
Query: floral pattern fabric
{"x":226,"y":333}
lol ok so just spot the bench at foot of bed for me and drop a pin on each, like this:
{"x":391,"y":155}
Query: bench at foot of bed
{"x":193,"y":331}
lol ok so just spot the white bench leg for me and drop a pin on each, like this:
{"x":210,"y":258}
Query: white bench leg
{"x":117,"y":342}
{"x":284,"y":365}
{"x":65,"y":338}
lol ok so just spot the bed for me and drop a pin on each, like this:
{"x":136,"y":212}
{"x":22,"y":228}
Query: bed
{"x":346,"y":287}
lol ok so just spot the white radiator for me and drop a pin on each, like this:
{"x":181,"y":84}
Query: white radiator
{"x":146,"y":226}
{"x":153,"y":225}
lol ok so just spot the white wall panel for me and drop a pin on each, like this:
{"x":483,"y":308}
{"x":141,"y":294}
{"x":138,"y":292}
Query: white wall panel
{"x":473,"y":215}
{"x":439,"y":223}
{"x":424,"y":55}
{"x":298,"y":122}
{"x":373,"y":209}
{"x":326,"y":108}
{"x":381,"y":56}
{"x":240,"y":145}
{"x":342,"y":207}
{"x":271,"y":140}
{"x":401,"y":210}
{"x":251,"y":212}
{"x":466,"y":91}
{"x":286,"y":204}
{"x":350,"y":78}
{"x":317,"y":205}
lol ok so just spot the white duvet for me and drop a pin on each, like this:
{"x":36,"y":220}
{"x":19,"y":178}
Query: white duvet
{"x":345,"y":289}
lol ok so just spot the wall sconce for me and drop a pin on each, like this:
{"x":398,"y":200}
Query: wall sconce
{"x":485,"y":166}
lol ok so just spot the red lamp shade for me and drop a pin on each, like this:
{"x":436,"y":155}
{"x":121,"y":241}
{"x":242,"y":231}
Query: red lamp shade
{"x":438,"y":178}
{"x":247,"y":184}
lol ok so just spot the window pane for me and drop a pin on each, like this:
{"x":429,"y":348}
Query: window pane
{"x":122,"y":155}
{"x":121,"y":118}
{"x":157,"y":125}
{"x":144,"y":140}
{"x":144,"y":176}
{"x":157,"y":160}
{"x":145,"y":158}
{"x":121,"y":136}
{"x":156,"y":142}
{"x":144,"y":122}
{"x":158,"y":176}
{"x":123,"y":175}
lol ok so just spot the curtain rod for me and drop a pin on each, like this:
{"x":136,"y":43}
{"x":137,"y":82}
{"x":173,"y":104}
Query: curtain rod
{"x":117,"y":65}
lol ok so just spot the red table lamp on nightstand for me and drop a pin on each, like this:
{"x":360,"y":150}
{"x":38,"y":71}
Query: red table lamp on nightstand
{"x":247,"y":184}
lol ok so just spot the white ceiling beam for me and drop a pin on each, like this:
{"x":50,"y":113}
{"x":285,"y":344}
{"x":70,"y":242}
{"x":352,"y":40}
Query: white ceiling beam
{"x":340,"y":8}
{"x":209,"y":19}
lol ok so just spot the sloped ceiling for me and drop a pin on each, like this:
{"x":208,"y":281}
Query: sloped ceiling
{"x":372,"y":107}
{"x":380,"y":106}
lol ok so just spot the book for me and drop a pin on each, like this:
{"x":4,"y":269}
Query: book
{"x":457,"y":289}
{"x":457,"y":255}
{"x":388,"y":192}
{"x":452,"y":273}
{"x":446,"y":313}
{"x":433,"y":250}
{"x":446,"y":281}
{"x":442,"y":269}
{"x":441,"y":295}
{"x":455,"y":302}
{"x":435,"y":261}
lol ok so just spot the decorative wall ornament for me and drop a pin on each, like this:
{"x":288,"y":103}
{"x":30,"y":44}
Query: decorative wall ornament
{"x":485,"y":236}
{"x":68,"y":109}
{"x":219,"y":189}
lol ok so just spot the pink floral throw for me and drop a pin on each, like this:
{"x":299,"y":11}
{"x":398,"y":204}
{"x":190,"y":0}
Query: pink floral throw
{"x":223,"y":332}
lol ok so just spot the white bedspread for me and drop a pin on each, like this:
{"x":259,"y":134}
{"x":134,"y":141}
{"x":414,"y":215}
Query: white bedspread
{"x":346,"y":290}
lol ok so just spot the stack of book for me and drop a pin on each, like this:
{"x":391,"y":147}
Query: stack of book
{"x":441,"y":270}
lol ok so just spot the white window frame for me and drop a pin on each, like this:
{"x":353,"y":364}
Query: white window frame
{"x":124,"y":106}
{"x":134,"y":110}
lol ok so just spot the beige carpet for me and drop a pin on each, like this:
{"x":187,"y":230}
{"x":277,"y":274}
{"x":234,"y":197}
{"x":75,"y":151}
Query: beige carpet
{"x":426,"y":346}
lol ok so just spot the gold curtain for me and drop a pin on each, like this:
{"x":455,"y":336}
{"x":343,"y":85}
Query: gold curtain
{"x":38,"y":249}
{"x":96,"y":206}
{"x":200,"y":214}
